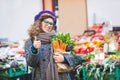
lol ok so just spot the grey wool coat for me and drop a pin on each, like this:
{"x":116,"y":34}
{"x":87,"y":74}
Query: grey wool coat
{"x":39,"y":62}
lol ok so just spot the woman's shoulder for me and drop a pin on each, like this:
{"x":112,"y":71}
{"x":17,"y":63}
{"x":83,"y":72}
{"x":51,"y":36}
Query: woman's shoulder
{"x":28,"y":41}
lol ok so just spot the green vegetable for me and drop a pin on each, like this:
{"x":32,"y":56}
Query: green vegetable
{"x":65,"y":38}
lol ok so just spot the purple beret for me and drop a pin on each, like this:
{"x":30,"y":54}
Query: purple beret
{"x":44,"y":12}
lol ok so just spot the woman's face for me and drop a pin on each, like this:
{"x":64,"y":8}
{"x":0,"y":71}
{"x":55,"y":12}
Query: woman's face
{"x":47,"y":25}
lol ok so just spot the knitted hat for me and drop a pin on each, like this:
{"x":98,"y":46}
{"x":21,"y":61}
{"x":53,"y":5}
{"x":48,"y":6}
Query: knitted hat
{"x":44,"y":12}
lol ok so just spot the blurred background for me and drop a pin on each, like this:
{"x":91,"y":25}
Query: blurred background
{"x":74,"y":16}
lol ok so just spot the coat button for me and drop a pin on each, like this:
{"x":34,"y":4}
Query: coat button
{"x":44,"y":60}
{"x":42,"y":49}
{"x":49,"y":48}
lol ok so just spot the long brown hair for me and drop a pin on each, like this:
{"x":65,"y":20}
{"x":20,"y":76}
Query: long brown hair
{"x":35,"y":28}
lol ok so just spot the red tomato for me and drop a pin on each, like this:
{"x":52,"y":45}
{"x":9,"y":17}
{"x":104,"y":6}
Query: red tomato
{"x":101,"y":38}
{"x":87,"y":60}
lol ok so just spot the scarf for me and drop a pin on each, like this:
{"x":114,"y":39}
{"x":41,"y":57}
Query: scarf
{"x":51,"y":71}
{"x":45,"y":37}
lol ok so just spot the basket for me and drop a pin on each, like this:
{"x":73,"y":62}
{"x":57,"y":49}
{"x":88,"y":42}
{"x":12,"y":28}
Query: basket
{"x":14,"y":72}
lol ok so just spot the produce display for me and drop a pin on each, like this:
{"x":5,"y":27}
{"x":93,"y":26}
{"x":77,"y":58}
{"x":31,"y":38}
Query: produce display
{"x":102,"y":55}
{"x":108,"y":70}
{"x":12,"y":61}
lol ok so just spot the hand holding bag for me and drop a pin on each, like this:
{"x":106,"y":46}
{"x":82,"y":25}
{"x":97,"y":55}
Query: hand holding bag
{"x":62,"y":67}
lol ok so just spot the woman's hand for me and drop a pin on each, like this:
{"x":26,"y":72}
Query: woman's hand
{"x":58,"y":57}
{"x":36,"y":43}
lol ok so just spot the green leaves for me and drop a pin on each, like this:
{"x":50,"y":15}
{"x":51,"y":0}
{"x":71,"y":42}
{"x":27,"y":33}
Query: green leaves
{"x":94,"y":71}
{"x":79,"y":59}
{"x":65,"y":38}
{"x":89,"y":56}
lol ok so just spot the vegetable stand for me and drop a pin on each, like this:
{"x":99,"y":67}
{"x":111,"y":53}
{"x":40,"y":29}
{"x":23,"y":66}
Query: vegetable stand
{"x":110,"y":70}
{"x":108,"y":76}
{"x":14,"y":73}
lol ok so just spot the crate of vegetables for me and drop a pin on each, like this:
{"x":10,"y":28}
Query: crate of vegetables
{"x":114,"y":75}
{"x":94,"y":71}
{"x":14,"y":71}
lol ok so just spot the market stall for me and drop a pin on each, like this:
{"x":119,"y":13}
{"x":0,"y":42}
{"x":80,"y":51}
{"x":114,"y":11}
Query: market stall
{"x":101,"y":52}
{"x":12,"y":62}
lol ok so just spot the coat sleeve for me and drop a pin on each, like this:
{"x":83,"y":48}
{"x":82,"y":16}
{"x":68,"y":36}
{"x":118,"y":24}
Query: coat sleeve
{"x":31,"y":59}
{"x":70,"y":60}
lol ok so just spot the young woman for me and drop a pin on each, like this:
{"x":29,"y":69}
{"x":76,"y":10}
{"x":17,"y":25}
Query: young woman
{"x":39,"y":51}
